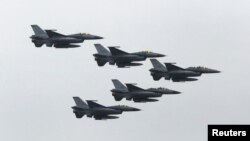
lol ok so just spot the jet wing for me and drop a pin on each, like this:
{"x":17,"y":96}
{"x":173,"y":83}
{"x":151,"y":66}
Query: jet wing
{"x":52,"y":33}
{"x":115,"y":51}
{"x":171,"y":67}
{"x":93,"y":104}
{"x":134,"y":88}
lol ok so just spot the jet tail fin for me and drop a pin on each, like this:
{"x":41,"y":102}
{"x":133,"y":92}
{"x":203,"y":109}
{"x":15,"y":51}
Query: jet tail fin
{"x":101,"y":50}
{"x":80,"y":103}
{"x":39,"y":32}
{"x":93,"y":104}
{"x":115,"y":51}
{"x":118,"y":85}
{"x":134,"y":88}
{"x":157,"y":65}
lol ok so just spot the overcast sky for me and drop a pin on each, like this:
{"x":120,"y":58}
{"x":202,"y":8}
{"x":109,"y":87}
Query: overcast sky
{"x":37,"y":84}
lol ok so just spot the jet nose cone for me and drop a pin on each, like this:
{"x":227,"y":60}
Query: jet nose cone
{"x":176,"y":92}
{"x":160,"y":55}
{"x":153,"y":55}
{"x":216,"y":71}
{"x":90,"y":37}
{"x":136,"y":109}
{"x":98,"y":37}
{"x":213,"y":71}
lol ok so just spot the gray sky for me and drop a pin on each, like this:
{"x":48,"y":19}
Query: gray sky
{"x":37,"y":84}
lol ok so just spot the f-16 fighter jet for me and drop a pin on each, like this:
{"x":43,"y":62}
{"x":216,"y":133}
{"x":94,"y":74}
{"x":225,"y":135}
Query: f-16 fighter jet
{"x":132,"y":92}
{"x":58,"y":40}
{"x":99,"y":112}
{"x":177,"y":74}
{"x":121,"y":58}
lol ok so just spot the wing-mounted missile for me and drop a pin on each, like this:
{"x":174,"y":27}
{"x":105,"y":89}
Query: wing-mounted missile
{"x":127,"y":65}
{"x":66,"y":46}
{"x":145,"y":100}
{"x":183,"y":79}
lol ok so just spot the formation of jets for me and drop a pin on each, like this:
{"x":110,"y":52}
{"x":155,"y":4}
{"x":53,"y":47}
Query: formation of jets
{"x":122,"y":59}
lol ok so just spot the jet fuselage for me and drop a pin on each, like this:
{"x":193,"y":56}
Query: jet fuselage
{"x":128,"y":58}
{"x":144,"y":94}
{"x":135,"y":94}
{"x":105,"y":111}
{"x":124,"y":108}
{"x":65,"y":40}
{"x":183,"y":73}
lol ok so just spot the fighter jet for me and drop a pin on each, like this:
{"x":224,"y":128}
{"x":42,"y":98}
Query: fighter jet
{"x":130,"y":91}
{"x":177,"y":74}
{"x":58,"y":40}
{"x":121,"y":58}
{"x":99,"y":112}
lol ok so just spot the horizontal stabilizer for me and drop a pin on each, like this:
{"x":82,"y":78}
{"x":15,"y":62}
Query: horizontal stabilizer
{"x":118,"y":98}
{"x":101,"y":62}
{"x":156,"y":76}
{"x":79,"y":115}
